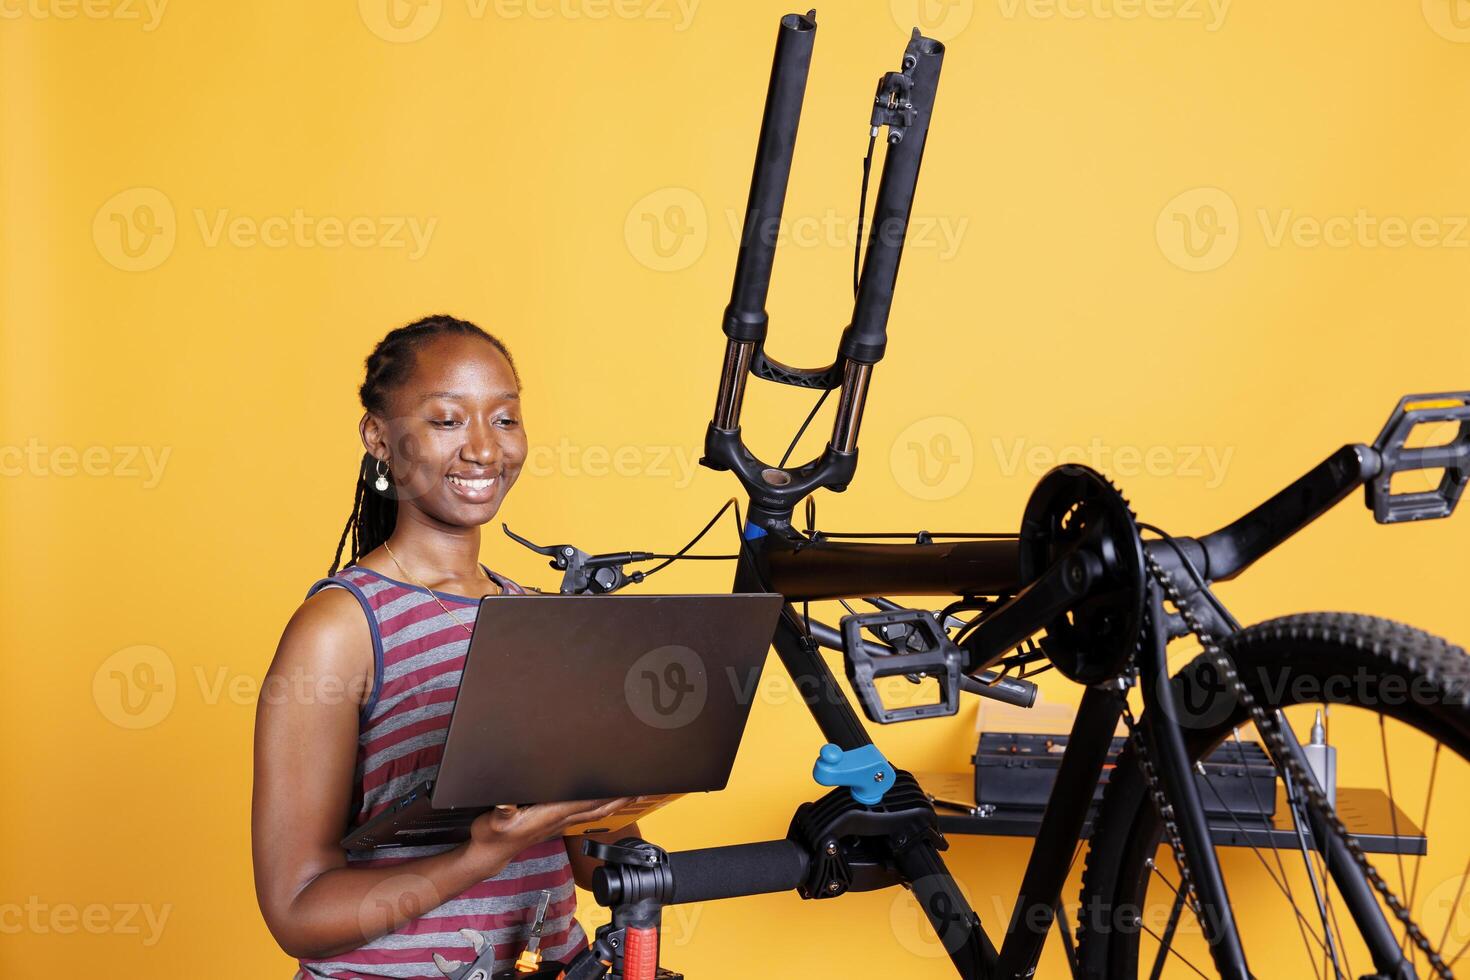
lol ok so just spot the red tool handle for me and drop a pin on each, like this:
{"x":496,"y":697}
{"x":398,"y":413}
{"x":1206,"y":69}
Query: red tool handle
{"x":640,"y":953}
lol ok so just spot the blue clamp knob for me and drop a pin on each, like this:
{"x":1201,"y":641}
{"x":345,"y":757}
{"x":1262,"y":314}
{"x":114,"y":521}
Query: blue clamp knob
{"x":863,"y":770}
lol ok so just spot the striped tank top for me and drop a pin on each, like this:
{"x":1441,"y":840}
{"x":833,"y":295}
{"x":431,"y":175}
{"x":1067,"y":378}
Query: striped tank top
{"x":418,"y":653}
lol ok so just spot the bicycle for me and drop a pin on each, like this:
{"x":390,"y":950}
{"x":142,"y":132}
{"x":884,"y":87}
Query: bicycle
{"x":1107,"y":602}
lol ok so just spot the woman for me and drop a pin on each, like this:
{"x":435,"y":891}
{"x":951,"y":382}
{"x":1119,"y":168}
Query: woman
{"x":445,"y":443}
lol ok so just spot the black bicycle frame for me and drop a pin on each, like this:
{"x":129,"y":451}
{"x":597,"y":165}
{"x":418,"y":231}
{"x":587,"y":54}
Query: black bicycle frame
{"x":775,"y":557}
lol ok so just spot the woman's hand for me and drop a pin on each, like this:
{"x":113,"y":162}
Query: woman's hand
{"x":527,"y":825}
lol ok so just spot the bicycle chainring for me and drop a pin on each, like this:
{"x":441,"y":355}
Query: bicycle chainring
{"x":1094,"y":640}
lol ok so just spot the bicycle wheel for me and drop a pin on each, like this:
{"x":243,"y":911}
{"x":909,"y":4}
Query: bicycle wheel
{"x":1400,"y":722}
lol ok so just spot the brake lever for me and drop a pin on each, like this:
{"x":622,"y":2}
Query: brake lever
{"x":586,"y":573}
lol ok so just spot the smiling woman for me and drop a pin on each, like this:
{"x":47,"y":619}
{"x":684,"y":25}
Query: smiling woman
{"x":444,"y":443}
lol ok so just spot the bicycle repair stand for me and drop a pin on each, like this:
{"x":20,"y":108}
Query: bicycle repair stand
{"x":840,"y":843}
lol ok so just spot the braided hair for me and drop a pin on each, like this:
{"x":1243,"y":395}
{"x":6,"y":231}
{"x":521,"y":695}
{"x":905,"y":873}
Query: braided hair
{"x":388,"y":366}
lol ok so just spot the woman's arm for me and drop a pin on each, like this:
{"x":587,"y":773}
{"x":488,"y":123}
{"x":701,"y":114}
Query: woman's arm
{"x":305,"y":755}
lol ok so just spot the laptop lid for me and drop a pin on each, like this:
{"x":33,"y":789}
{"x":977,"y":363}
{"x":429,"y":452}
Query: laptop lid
{"x":585,"y":697}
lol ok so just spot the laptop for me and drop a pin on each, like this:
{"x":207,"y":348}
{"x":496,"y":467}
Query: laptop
{"x":589,"y":697}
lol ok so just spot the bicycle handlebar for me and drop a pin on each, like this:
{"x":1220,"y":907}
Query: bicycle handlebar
{"x":711,"y":873}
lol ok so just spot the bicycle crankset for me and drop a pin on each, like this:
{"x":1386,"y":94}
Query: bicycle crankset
{"x":1075,"y":508}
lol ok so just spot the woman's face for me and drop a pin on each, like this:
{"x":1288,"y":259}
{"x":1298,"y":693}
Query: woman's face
{"x":455,"y":440}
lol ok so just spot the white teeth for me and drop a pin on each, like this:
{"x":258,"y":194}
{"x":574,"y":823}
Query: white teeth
{"x":472,"y":484}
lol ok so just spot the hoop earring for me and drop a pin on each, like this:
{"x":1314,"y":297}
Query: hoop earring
{"x":381,"y":483}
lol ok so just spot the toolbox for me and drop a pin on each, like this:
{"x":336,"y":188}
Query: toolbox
{"x":1015,"y":771}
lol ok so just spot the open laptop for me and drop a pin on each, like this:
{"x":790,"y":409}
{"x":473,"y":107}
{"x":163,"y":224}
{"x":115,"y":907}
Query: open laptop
{"x":589,"y":697}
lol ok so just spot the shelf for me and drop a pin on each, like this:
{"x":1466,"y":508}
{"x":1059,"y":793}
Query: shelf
{"x":1365,"y":813}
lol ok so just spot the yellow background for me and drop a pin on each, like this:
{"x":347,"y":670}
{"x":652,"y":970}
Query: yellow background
{"x":546,"y":141}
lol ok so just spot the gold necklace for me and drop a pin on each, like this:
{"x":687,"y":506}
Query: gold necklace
{"x":432,"y":595}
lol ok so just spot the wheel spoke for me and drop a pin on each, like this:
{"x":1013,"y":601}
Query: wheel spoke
{"x":1282,"y":884}
{"x":1182,"y":958}
{"x":1296,"y":822}
{"x":1423,"y":829}
{"x":1168,"y":938}
{"x":1450,"y":918}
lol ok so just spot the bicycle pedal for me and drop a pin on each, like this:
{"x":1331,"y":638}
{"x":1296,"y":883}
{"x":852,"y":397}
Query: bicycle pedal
{"x":1452,"y":457}
{"x":929,"y":651}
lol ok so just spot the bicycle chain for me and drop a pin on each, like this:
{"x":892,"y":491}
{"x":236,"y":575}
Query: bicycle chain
{"x":1277,"y":744}
{"x":1166,"y":810}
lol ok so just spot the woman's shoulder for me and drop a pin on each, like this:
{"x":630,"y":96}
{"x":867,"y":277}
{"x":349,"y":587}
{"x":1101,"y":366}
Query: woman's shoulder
{"x":330,"y":624}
